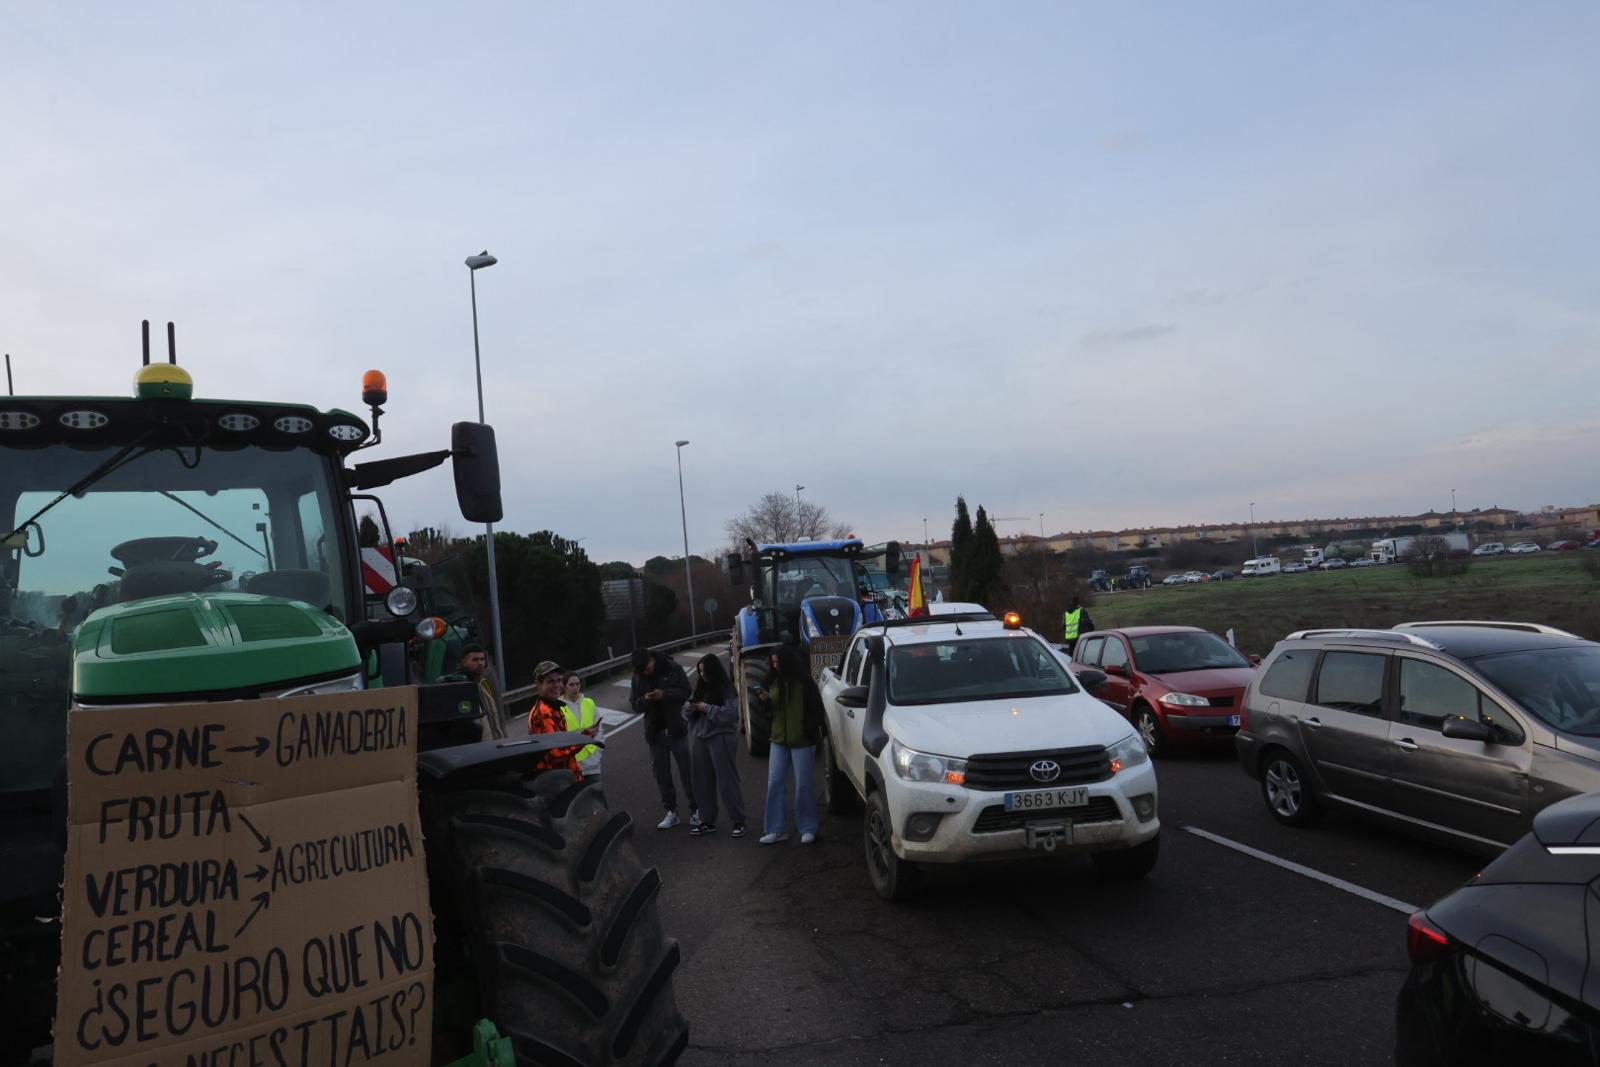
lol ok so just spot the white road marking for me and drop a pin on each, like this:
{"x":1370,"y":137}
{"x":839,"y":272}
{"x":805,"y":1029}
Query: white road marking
{"x":1289,"y":865}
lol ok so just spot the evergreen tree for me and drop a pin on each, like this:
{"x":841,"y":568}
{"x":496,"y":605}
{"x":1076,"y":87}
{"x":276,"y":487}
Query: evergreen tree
{"x":960,"y":547}
{"x":985,"y":570}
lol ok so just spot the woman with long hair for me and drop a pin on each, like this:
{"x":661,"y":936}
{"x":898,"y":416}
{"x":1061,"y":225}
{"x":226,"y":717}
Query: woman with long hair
{"x":712,"y":713}
{"x":796,"y":731}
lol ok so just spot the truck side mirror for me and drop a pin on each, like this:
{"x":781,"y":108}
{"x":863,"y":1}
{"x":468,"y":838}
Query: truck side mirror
{"x":477,"y":469}
{"x":891,"y":559}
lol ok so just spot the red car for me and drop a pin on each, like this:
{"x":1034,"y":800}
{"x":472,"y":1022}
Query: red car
{"x":1178,"y":685}
{"x":1563,"y":546}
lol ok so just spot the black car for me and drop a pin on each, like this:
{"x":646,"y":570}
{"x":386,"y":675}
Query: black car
{"x":1501,"y":970}
{"x":1222,"y":576}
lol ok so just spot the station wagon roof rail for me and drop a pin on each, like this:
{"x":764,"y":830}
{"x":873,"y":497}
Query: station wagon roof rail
{"x":1526,"y":627}
{"x":1380,"y":635}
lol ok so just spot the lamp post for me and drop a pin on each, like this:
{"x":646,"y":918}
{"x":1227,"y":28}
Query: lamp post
{"x":688,"y":572}
{"x":799,"y":530}
{"x":1454,"y":512}
{"x":1253,"y":551}
{"x":474,"y":265}
{"x":924,"y":532}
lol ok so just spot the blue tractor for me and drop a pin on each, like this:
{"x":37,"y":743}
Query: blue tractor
{"x":813,"y":595}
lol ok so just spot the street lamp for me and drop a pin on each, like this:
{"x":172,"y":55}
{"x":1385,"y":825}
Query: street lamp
{"x":688,"y":572}
{"x":924,"y":532}
{"x":474,"y":265}
{"x":1253,"y":551}
{"x":1454,"y":513}
{"x":799,"y":531}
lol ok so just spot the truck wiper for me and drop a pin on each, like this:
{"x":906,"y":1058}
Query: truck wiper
{"x":214,"y":523}
{"x":124,"y":454}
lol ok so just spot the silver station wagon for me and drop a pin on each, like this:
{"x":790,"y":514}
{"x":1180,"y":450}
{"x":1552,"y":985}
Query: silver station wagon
{"x":1458,"y":728}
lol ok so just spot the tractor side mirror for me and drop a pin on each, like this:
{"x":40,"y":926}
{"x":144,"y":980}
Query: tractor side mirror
{"x":891,"y":559}
{"x":735,"y":564}
{"x":477,"y":469}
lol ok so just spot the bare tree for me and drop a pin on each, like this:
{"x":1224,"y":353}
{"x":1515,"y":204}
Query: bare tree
{"x":776,"y":519}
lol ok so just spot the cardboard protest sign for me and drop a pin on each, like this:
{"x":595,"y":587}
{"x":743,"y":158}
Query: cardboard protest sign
{"x":245,"y":885}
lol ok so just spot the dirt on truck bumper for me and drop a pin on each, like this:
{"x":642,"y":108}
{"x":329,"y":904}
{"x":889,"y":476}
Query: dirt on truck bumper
{"x":936,"y":823}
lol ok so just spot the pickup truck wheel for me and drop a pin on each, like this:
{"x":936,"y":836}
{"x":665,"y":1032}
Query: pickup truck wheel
{"x":838,"y":794}
{"x":551,"y":920}
{"x":892,"y":877}
{"x":1135,"y":862}
{"x":1149,"y":727}
{"x":755,"y":718}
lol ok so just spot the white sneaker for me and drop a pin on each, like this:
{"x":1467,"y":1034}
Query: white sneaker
{"x":773,"y":839}
{"x":806,"y":839}
{"x":669,"y":822}
{"x":694,"y":818}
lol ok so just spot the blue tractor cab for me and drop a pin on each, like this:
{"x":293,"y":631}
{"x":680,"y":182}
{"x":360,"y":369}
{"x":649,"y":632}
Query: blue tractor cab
{"x":811,"y":595}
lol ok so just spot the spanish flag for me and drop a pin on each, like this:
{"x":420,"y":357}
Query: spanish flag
{"x":918,"y":603}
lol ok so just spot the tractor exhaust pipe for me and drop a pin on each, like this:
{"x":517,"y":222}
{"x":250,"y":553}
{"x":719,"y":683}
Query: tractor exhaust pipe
{"x":145,"y":329}
{"x":172,"y":344}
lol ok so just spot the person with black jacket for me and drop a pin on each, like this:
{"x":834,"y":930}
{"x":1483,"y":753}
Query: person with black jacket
{"x":797,"y":727}
{"x":659,"y":690}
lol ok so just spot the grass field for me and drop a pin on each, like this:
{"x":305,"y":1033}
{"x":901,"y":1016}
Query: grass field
{"x":1553,"y":589}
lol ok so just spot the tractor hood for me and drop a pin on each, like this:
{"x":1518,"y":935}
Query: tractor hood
{"x":206,"y":646}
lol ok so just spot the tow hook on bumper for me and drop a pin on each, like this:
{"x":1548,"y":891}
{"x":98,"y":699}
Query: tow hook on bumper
{"x":1047,"y":835}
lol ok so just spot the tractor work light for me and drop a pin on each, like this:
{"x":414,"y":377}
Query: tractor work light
{"x":17,"y":421}
{"x":432,"y":628}
{"x":83,"y":420}
{"x":295,"y":424}
{"x":238,"y":422}
{"x":346,"y":433}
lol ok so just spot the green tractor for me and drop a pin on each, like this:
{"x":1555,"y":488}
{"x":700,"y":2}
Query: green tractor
{"x":166,"y":549}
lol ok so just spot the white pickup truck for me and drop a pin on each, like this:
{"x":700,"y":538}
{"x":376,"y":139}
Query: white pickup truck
{"x":966,"y":738}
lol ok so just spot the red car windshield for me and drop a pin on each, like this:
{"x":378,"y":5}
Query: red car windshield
{"x":1171,"y":653}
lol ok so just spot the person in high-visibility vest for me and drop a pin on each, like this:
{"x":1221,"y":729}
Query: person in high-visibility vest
{"x":1075,"y":623}
{"x":581,"y":718}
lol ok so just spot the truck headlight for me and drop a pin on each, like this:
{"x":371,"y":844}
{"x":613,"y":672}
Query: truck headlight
{"x":914,"y":766}
{"x":1186,"y":700}
{"x":1127,"y":754}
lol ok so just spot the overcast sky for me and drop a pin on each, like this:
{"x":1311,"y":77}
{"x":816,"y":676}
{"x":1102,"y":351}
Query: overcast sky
{"x":1119,"y":264}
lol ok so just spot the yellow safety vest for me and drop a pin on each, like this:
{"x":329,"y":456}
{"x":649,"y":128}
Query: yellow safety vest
{"x":1070,"y":622}
{"x":582,"y":719}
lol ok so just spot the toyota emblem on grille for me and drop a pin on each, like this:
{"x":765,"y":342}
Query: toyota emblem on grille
{"x":1045,"y":770}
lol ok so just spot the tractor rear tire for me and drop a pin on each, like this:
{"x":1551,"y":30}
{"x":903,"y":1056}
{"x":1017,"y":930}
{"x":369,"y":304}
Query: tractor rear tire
{"x":555,"y":919}
{"x":755,"y":718}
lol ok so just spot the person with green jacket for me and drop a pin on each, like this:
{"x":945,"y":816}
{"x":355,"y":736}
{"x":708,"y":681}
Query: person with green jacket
{"x":797,"y":719}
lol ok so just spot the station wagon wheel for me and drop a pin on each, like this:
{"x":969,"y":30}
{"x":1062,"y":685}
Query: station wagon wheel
{"x":1287,"y":790}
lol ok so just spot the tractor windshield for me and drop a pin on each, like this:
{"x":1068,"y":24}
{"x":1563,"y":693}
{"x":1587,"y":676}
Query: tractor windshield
{"x":166,"y":519}
{"x":799,"y":577}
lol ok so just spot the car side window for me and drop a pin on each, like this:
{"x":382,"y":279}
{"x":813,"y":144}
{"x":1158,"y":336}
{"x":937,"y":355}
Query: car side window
{"x":1289,"y":677}
{"x":1088,"y":652}
{"x":852,"y":664}
{"x":1429,"y":694}
{"x":1352,"y":681}
{"x":1114,"y":655}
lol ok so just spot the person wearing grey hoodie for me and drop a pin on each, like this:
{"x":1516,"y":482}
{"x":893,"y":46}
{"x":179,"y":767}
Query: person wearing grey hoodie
{"x":712,"y":714}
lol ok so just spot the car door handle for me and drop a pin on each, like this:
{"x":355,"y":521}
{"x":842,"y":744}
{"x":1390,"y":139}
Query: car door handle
{"x":1313,"y":722}
{"x":1406,"y":743}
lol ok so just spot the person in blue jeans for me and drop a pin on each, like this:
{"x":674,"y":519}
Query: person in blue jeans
{"x":797,"y":720}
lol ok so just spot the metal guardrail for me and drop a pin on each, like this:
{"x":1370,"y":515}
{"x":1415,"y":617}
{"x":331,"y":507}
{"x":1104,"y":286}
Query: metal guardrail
{"x":616,"y":663}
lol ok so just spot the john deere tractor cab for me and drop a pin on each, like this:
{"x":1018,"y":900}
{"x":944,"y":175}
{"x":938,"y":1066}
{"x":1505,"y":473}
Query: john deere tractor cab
{"x":812,"y":595}
{"x":165,"y":549}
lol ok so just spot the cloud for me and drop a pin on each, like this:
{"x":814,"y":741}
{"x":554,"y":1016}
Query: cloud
{"x":1105,"y":338}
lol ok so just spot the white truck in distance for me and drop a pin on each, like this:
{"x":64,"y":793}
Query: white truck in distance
{"x":968,"y":739}
{"x":1394,"y":549}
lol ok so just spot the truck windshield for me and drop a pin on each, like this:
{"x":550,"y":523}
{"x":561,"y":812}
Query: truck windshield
{"x":944,"y":672}
{"x":167,"y":520}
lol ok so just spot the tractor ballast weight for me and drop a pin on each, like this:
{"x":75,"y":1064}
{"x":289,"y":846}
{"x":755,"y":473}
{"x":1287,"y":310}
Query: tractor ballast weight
{"x":809,"y":595}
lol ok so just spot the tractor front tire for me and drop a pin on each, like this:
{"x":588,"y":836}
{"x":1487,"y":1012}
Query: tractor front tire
{"x":755,"y":717}
{"x":554,"y":919}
